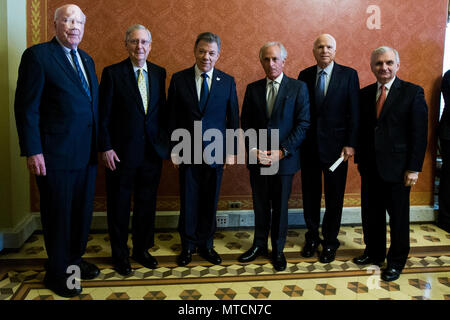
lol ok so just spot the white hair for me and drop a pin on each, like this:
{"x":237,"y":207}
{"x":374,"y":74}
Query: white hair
{"x":381,"y":50}
{"x":58,"y":11}
{"x":271,"y":44}
{"x":137,"y":27}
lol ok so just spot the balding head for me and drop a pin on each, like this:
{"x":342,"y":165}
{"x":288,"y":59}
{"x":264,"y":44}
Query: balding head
{"x":324,"y":50}
{"x":69,"y":25}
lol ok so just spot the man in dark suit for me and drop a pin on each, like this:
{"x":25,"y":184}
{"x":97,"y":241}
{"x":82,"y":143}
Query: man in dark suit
{"x":334,"y":92}
{"x":201,"y":96}
{"x":56,"y":116}
{"x":133,"y":144}
{"x":443,"y":220}
{"x":276,"y":102}
{"x":391,"y":150}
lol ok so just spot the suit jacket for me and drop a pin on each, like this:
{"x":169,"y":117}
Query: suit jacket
{"x":290,"y":115}
{"x":221,"y":111}
{"x":54,"y":115}
{"x":334,"y":124}
{"x":124,"y":126}
{"x":444,"y":123}
{"x":397,"y":141}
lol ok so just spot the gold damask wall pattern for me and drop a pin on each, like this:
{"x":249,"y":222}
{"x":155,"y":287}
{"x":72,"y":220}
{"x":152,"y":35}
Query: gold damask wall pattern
{"x":415,"y":27}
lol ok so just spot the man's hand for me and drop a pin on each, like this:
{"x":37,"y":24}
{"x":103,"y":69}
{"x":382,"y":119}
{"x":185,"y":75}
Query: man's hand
{"x":176,"y":161}
{"x":36,"y":165}
{"x":347,"y":153}
{"x":230,"y":160}
{"x":411,"y":178}
{"x":109,"y":158}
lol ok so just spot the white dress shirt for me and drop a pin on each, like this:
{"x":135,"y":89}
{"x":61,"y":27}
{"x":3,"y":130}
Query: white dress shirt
{"x":199,"y":80}
{"x":69,"y":57}
{"x":328,"y":70}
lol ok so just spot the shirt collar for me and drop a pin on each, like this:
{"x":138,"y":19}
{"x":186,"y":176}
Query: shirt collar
{"x":277,"y":80}
{"x":136,"y":68}
{"x":198,"y":72}
{"x":387,"y":85}
{"x":328,"y":69}
{"x":66,"y":50}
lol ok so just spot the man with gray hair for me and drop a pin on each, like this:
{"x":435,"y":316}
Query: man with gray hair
{"x":391,"y":150}
{"x":275,"y":103}
{"x":334,"y":92}
{"x":133,"y":142}
{"x":56,"y":116}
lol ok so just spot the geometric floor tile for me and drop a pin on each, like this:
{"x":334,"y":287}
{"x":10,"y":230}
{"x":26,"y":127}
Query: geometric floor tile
{"x":83,"y":297}
{"x":293,"y":291}
{"x":427,"y":229}
{"x":118,"y":296}
{"x":44,"y":297}
{"x":358,"y":287}
{"x":419,"y":284}
{"x":242,"y":235}
{"x":444,"y":281}
{"x":233,"y":245}
{"x":259,"y":293}
{"x":155,"y":295}
{"x":225,"y":294}
{"x":432,"y":239}
{"x":190,"y":295}
{"x":389,"y":286}
{"x":326,"y":289}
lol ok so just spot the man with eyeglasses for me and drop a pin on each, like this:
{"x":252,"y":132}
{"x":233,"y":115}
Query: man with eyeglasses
{"x":132,"y":144}
{"x":56,"y":116}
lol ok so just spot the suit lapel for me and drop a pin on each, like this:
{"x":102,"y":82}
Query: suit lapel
{"x":153,"y":88}
{"x":215,"y":85}
{"x":90,"y":72}
{"x":282,"y":91}
{"x":189,"y":77}
{"x":129,"y":80}
{"x":61,"y":59}
{"x":392,"y":96}
{"x":334,"y":82}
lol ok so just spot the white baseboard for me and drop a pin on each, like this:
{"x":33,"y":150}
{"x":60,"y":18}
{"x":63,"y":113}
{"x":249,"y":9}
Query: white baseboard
{"x":14,"y":239}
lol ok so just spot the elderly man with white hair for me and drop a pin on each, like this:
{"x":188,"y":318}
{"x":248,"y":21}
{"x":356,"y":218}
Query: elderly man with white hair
{"x":56,"y":116}
{"x":334,"y":92}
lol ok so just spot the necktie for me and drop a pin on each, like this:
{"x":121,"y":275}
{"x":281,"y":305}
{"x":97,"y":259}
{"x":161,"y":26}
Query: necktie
{"x":143,"y":89}
{"x":83,"y":80}
{"x":381,"y":101}
{"x":320,"y":88}
{"x":204,"y":92}
{"x":271,"y":96}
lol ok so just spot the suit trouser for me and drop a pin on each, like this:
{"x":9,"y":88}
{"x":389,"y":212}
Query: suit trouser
{"x":334,"y":189}
{"x":67,"y":198}
{"x":142,"y":182}
{"x":392,"y":197}
{"x":443,"y":220}
{"x":199,"y":193}
{"x":270,"y":204}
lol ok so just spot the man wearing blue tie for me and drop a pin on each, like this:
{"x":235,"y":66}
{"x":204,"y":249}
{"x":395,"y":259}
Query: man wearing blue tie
{"x":202,"y":95}
{"x":56,"y":116}
{"x":334,"y":108}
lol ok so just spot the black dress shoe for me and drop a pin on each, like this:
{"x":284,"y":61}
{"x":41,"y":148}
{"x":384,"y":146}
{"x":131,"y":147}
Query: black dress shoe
{"x":365,"y":259}
{"x":59,"y":286}
{"x":310,"y":249}
{"x":279,"y":261}
{"x":122,"y":266}
{"x":390,"y":274}
{"x":184,"y":258}
{"x":89,"y":271}
{"x":252,"y":253}
{"x":328,"y":255}
{"x":146,"y":259}
{"x":210,"y":255}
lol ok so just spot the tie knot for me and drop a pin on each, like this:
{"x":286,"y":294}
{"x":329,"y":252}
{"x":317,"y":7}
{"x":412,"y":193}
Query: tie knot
{"x":322,"y":73}
{"x":383,"y":88}
{"x":204,"y":75}
{"x":73,"y":52}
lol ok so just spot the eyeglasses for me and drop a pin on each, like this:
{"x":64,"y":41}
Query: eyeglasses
{"x":68,"y":21}
{"x":135,"y":42}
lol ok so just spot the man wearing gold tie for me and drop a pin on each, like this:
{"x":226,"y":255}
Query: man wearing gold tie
{"x":390,"y":154}
{"x":133,"y":143}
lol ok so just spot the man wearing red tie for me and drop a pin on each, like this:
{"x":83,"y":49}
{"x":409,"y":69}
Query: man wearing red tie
{"x":390,"y":154}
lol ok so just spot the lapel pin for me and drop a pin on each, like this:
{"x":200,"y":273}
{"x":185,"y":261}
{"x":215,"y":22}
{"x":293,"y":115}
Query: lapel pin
{"x":218,"y":79}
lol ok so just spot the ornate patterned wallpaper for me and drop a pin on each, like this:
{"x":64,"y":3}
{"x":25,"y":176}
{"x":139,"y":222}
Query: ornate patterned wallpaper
{"x":416,"y":28}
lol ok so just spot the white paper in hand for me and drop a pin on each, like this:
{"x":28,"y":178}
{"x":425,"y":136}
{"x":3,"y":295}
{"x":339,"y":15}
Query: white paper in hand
{"x":336,"y":164}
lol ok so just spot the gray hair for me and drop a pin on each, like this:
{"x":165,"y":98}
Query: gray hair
{"x":58,"y":12}
{"x":208,"y":37}
{"x":271,"y":44}
{"x":326,"y":35}
{"x":381,"y":50}
{"x":135,"y":27}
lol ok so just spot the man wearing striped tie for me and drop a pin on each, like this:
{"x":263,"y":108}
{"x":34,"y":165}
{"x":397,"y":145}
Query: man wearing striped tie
{"x":133,"y":143}
{"x":390,"y":154}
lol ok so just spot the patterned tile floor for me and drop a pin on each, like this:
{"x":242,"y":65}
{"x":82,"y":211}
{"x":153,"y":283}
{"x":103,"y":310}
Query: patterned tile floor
{"x":426,"y":276}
